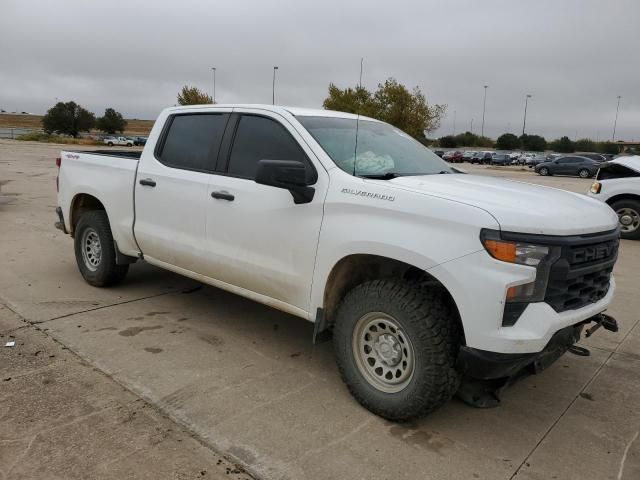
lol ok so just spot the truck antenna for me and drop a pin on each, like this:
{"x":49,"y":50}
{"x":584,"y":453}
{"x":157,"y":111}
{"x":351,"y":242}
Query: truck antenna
{"x":355,"y":150}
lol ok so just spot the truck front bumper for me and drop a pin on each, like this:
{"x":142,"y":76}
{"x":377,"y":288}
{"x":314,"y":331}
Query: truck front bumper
{"x":484,"y":365}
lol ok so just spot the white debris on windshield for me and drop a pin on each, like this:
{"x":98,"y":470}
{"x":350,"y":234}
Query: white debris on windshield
{"x":369,"y":163}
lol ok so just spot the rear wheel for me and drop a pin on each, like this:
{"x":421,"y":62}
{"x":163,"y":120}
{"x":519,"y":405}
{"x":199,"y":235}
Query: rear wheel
{"x":95,"y":250}
{"x":584,"y":173}
{"x":129,"y":144}
{"x":110,"y":144}
{"x":544,"y":171}
{"x":396,"y":346}
{"x":629,"y":217}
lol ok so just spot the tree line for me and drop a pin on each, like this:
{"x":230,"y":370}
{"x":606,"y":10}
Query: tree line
{"x":391,"y":102}
{"x":534,"y":143}
{"x":69,"y":118}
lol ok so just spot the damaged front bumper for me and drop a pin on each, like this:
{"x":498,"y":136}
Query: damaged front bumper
{"x":485,"y":374}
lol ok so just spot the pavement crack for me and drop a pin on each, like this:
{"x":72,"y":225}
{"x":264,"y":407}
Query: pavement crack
{"x":624,"y":456}
{"x":589,"y":382}
{"x":105,"y":306}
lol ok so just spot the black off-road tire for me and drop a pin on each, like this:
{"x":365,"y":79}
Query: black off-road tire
{"x":632,"y":206}
{"x":431,"y":326}
{"x":106,"y":272}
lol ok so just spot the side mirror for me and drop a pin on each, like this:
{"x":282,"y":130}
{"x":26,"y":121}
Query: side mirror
{"x":286,"y":174}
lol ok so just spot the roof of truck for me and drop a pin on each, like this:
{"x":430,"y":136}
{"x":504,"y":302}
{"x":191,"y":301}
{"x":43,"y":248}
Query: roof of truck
{"x":295,"y":111}
{"x":629,"y":161}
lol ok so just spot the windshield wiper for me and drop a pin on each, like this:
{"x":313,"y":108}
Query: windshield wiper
{"x":380,"y":176}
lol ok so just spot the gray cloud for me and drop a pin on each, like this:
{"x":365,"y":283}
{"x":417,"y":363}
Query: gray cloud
{"x":573,"y":56}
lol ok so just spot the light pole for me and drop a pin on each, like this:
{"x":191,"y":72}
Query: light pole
{"x":273,"y":90}
{"x":484,"y":105}
{"x":454,"y":123}
{"x":615,"y":122}
{"x":471,"y":129}
{"x":213,"y":69}
{"x":524,"y":122}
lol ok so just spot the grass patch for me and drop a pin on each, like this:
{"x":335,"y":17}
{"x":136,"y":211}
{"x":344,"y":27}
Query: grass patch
{"x":46,"y":138}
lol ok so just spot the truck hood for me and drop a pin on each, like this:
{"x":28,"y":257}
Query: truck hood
{"x":517,"y":206}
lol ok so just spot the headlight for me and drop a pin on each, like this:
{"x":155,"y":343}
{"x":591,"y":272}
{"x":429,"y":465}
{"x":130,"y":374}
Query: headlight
{"x":540,"y":257}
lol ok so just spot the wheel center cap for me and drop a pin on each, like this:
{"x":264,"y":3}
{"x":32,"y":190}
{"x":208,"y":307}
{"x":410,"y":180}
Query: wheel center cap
{"x":388,"y":349}
{"x":626,"y":220}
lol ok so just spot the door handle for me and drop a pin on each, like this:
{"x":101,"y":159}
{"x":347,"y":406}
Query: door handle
{"x":223,"y":195}
{"x":147,"y":182}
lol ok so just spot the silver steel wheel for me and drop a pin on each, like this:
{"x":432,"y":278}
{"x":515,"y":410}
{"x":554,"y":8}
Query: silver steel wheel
{"x":629,"y":219}
{"x":584,"y":173}
{"x":91,"y":249}
{"x":383,"y":352}
{"x":544,"y":171}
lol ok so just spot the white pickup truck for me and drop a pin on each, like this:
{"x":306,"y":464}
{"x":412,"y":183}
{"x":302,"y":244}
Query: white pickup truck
{"x":431,"y":281}
{"x":123,"y":141}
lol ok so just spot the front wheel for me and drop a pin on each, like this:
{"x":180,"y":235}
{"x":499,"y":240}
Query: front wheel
{"x":544,"y":171}
{"x":110,"y":144}
{"x":396,"y":346}
{"x":628,"y":212}
{"x":584,"y":173}
{"x":95,"y":250}
{"x":129,"y":145}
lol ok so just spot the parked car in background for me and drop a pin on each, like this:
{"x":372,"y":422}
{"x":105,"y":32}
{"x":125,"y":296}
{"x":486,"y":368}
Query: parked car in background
{"x":598,"y":157}
{"x":501,"y":159}
{"x":111,"y":141}
{"x":522,"y":158}
{"x":553,"y":156}
{"x":618,"y":185}
{"x":140,"y":141}
{"x":536,"y":159}
{"x":453,"y":156}
{"x":440,"y":153}
{"x":569,"y":165}
{"x":467,"y":156}
{"x":482,"y":157}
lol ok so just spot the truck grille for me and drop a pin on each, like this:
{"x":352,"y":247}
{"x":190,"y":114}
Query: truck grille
{"x":582,"y":273}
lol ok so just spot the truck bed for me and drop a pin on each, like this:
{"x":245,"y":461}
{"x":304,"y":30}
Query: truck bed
{"x":113,"y":153}
{"x":108,"y":176}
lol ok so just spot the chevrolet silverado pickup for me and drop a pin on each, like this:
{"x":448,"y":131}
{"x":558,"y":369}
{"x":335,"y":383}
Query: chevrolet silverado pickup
{"x":430,"y":281}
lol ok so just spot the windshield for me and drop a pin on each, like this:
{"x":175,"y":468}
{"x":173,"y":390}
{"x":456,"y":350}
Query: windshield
{"x":382,"y":150}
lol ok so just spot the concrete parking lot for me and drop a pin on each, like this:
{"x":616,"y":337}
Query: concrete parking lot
{"x":218,"y":381}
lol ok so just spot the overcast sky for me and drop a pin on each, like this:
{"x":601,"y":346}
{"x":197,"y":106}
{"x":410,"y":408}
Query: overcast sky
{"x":574,"y":56}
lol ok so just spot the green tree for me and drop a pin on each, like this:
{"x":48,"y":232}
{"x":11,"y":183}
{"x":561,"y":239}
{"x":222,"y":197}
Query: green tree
{"x":507,"y":141}
{"x":193,"y":96}
{"x":608,"y":147}
{"x":534,"y":143}
{"x":585,"y":145}
{"x":111,"y":122}
{"x":484,"y":142}
{"x":563,"y":145}
{"x":448,"y":141}
{"x":68,"y":119}
{"x":392,"y":102}
{"x":466,"y":139}
{"x":351,"y":100}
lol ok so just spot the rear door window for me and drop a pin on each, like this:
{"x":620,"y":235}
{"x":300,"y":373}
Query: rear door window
{"x":192,"y":141}
{"x":261,"y":138}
